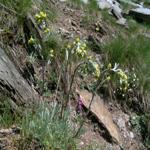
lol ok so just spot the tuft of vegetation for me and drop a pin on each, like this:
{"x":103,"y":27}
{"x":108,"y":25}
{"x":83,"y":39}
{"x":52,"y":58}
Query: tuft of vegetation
{"x":7,"y":116}
{"x":46,"y":126}
{"x":19,"y":8}
{"x":89,"y":5}
{"x":141,"y":125}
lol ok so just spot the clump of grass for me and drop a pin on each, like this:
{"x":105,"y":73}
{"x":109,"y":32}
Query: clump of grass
{"x":107,"y":17}
{"x":20,"y":8}
{"x":90,"y":5}
{"x":53,"y":42}
{"x":132,"y":51}
{"x":7,"y":116}
{"x":46,"y":126}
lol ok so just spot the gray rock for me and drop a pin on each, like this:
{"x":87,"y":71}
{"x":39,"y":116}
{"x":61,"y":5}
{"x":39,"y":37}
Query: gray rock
{"x":12,"y":83}
{"x":142,"y":14}
{"x":122,"y":21}
{"x":114,"y":6}
{"x":103,"y":4}
{"x":131,"y":135}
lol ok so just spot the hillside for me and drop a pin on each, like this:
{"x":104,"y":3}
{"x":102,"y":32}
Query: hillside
{"x":74,"y":75}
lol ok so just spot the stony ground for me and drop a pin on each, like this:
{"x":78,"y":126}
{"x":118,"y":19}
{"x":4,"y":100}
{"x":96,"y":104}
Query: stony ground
{"x":69,"y":25}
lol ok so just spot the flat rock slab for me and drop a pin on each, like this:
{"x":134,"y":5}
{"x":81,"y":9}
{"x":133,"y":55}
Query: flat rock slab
{"x":141,"y":13}
{"x":14,"y":84}
{"x":99,"y":110}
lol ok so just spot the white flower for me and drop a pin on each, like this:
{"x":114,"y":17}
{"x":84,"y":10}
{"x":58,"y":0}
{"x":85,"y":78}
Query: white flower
{"x":115,"y":69}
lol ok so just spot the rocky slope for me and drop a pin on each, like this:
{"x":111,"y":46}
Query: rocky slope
{"x":108,"y":125}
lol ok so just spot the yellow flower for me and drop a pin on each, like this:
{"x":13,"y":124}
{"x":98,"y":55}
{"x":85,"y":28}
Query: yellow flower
{"x":97,"y":70}
{"x":46,"y":30}
{"x":97,"y":73}
{"x":108,"y":78}
{"x":109,"y":66}
{"x":122,"y":75}
{"x":125,"y":88}
{"x":125,"y":77}
{"x":43,"y":15}
{"x":31,"y":40}
{"x":68,"y":46}
{"x":84,"y":45}
{"x":77,"y":39}
{"x":40,"y":17}
{"x":89,"y":57}
{"x":51,"y":53}
{"x":37,"y":16}
{"x":126,"y":82}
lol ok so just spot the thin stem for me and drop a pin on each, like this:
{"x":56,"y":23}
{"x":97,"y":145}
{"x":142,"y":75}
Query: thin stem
{"x":72,"y":80}
{"x":43,"y":77}
{"x":57,"y":86}
{"x":69,"y":91}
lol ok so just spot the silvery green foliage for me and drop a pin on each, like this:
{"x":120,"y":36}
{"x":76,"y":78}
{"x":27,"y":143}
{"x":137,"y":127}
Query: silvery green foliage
{"x":46,"y":126}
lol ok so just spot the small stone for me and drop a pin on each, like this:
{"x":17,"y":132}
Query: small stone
{"x":81,"y":143}
{"x":121,"y":123}
{"x":131,"y":135}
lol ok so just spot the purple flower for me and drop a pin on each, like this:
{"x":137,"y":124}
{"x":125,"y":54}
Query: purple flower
{"x":79,"y":106}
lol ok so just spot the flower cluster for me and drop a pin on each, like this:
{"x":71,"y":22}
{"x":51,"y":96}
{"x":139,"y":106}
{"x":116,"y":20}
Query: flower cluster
{"x":81,"y":50}
{"x":78,"y":48}
{"x":123,"y":80}
{"x":42,"y":24}
{"x":123,"y":84}
{"x":40,"y":16}
{"x":41,"y":20}
{"x":96,"y":68}
{"x":46,"y":30}
{"x":128,"y":81}
{"x":32,"y":41}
